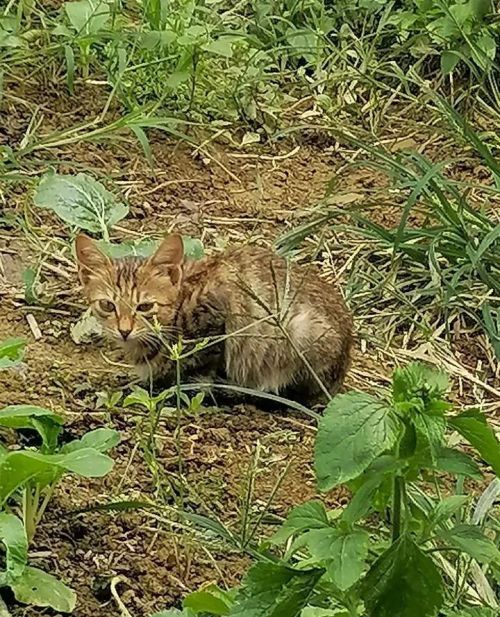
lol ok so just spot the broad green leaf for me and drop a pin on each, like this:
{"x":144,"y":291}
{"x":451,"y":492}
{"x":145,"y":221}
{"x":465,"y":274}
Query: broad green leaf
{"x":79,"y":200}
{"x":20,"y":416}
{"x":143,"y":248}
{"x":101,"y":439}
{"x":381,"y":471}
{"x":430,"y":430}
{"x":45,"y":422}
{"x":472,"y":425}
{"x":86,"y":462}
{"x":17,"y":467}
{"x":447,"y":507}
{"x":449,"y":60}
{"x":471,"y":540}
{"x":37,"y":587}
{"x":480,"y":8}
{"x":487,"y":50}
{"x":151,"y":39}
{"x":210,"y":600}
{"x":355,"y":429}
{"x":455,"y":462}
{"x":11,"y":352}
{"x":222,"y":46}
{"x":272,"y":590}
{"x":343,"y":553}
{"x":138,"y":396}
{"x":462,"y":13}
{"x":13,"y":536}
{"x":403,"y":581}
{"x":193,"y":248}
{"x":87,"y":16}
{"x":303,"y":42}
{"x":309,"y":515}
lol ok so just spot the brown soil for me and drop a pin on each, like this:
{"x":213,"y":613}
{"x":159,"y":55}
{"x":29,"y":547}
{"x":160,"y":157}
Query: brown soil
{"x":224,"y":195}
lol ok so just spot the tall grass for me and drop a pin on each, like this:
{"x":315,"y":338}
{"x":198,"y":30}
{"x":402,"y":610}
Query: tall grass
{"x":439,"y":266}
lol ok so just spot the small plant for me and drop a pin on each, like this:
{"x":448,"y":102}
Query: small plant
{"x":11,"y":352}
{"x":422,"y":555}
{"x":28,"y":478}
{"x":460,"y":30}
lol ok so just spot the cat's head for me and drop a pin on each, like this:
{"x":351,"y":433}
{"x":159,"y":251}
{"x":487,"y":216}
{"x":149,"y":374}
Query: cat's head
{"x":131,"y":297}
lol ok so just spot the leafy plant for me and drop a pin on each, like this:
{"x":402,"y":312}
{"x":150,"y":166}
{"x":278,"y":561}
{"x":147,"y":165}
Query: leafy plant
{"x":28,"y":478}
{"x":29,"y":585}
{"x":80,"y":201}
{"x":461,"y":30}
{"x":348,"y":562}
{"x":11,"y":352}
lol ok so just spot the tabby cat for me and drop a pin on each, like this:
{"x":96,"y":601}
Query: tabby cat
{"x":267,"y":324}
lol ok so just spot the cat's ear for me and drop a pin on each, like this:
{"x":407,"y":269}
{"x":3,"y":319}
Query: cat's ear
{"x":90,"y":259}
{"x":170,"y":252}
{"x":169,"y":256}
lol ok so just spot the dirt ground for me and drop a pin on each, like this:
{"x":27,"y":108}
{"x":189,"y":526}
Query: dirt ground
{"x":223,"y":195}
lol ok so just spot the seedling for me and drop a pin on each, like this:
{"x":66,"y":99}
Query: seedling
{"x":28,"y":478}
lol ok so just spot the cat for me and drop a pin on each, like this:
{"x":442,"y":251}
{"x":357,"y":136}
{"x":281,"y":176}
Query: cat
{"x":264,"y":323}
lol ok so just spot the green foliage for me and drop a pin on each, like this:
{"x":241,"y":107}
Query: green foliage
{"x":272,"y":590}
{"x":460,"y":30}
{"x":404,"y":581}
{"x":356,"y":423}
{"x":11,"y":352}
{"x":80,"y":201}
{"x":29,"y":585}
{"x":27,"y":481}
{"x":472,"y":425}
{"x":442,"y":271}
{"x":210,"y":599}
{"x":345,"y":563}
{"x":40,"y":588}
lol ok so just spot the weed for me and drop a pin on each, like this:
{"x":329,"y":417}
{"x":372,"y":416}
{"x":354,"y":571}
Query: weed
{"x":28,"y":480}
{"x":345,"y":561}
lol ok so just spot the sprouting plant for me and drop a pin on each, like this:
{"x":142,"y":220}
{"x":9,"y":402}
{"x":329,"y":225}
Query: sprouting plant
{"x":11,"y":352}
{"x":424,"y":548}
{"x":108,"y":400}
{"x":28,"y":478}
{"x":86,"y":22}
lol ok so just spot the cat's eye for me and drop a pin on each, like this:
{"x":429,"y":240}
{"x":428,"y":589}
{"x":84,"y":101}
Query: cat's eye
{"x":145,"y":307}
{"x":106,"y":306}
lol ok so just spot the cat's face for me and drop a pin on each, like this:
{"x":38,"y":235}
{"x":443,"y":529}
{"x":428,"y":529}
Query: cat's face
{"x":134,"y":300}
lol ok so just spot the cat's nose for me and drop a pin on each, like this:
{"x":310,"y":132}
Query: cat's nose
{"x":124,"y":332}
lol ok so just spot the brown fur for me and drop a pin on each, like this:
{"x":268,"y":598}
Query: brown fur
{"x":272,"y":325}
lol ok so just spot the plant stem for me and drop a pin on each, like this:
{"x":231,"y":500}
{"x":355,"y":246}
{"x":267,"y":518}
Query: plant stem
{"x":31,"y":496}
{"x":398,"y":493}
{"x":177,"y":434}
{"x":40,"y":511}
